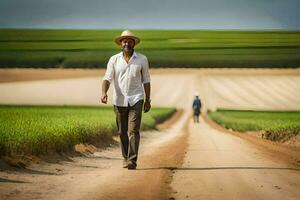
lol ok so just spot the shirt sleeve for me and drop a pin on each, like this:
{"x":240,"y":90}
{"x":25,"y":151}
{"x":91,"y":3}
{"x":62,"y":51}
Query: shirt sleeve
{"x":109,"y":74}
{"x":145,"y":71}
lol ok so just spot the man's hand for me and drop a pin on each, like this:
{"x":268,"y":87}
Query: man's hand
{"x":147,"y":106}
{"x":104,"y":98}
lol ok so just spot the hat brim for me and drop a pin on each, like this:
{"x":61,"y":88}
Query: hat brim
{"x":118,"y":40}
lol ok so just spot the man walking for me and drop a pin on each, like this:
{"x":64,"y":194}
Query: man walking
{"x":129,"y":71}
{"x":196,"y":108}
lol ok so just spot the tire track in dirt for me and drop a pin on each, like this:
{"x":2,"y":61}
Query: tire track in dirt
{"x":152,"y":178}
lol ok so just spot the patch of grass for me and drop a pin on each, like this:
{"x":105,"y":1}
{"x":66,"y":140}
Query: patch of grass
{"x":276,"y":126}
{"x":164,"y":48}
{"x":156,"y":116}
{"x":42,"y":129}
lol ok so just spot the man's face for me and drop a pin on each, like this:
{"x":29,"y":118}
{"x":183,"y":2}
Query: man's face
{"x":127,"y":45}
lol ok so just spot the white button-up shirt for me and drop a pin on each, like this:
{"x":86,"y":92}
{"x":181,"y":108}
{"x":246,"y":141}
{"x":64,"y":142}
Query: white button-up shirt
{"x":128,"y":78}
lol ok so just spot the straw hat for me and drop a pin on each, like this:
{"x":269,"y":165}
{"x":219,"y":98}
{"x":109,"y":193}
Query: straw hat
{"x":127,"y":34}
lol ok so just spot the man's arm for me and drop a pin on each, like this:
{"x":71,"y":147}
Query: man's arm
{"x":105,"y":87}
{"x":108,"y":78}
{"x":147,"y":89}
{"x":146,"y":83}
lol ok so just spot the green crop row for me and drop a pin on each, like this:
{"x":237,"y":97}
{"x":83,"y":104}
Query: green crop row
{"x":43,"y":129}
{"x":167,"y":48}
{"x":276,"y":126}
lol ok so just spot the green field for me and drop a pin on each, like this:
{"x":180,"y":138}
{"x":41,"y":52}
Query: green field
{"x":276,"y":126}
{"x":44,"y":129}
{"x":92,"y":48}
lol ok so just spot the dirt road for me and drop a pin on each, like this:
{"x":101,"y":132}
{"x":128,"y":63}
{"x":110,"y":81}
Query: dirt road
{"x":222,"y":166}
{"x":185,"y":161}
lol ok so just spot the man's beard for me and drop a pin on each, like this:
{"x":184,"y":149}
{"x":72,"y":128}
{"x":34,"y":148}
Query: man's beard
{"x":128,"y":50}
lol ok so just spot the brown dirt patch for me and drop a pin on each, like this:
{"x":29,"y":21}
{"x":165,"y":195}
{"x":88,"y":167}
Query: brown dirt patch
{"x":21,"y":74}
{"x":228,"y":71}
{"x":30,"y":74}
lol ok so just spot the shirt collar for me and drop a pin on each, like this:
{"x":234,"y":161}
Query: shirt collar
{"x":134,"y":55}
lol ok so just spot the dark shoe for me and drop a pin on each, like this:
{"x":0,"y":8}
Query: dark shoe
{"x":131,"y":165}
{"x":125,"y":164}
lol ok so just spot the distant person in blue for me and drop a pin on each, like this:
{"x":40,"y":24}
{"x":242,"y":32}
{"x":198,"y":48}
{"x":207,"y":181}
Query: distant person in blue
{"x":196,"y":108}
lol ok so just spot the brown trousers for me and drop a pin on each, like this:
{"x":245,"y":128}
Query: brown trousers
{"x":128,"y":121}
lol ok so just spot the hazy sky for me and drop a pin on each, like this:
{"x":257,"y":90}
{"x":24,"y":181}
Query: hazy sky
{"x":151,"y":14}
